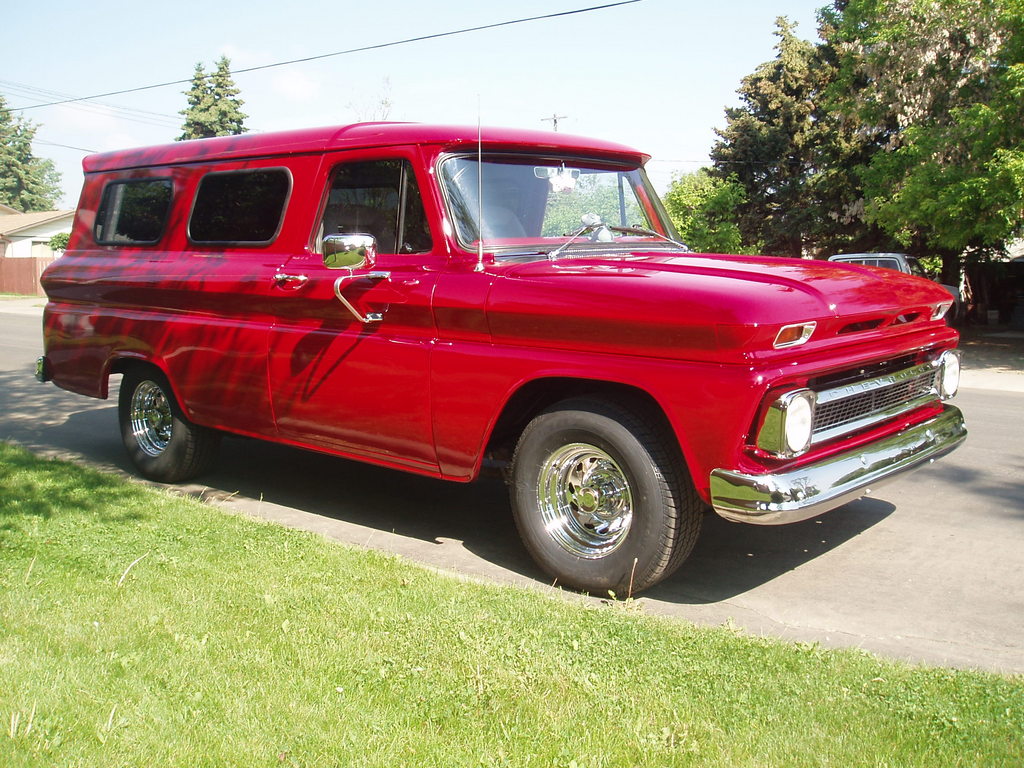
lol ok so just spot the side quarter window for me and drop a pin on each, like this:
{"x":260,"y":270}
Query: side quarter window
{"x":379,"y":198}
{"x":133,"y":212}
{"x":239,"y":207}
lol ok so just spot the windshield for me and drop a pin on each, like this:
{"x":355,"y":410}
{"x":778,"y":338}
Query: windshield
{"x":540,"y":205}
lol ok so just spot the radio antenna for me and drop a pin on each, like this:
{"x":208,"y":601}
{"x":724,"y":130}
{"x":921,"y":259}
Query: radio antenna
{"x":479,"y":192}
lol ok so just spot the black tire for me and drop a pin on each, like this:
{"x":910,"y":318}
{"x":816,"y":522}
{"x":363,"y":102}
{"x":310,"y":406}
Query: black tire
{"x":161,"y":443}
{"x":602,"y":499}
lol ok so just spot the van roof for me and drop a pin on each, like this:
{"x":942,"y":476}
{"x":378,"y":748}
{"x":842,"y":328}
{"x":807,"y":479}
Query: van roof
{"x":349,"y":136}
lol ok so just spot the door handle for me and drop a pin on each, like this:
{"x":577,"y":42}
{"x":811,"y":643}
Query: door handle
{"x":290,"y":281}
{"x":371,"y":317}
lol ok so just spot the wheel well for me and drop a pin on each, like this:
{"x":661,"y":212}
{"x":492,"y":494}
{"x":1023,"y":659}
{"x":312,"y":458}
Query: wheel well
{"x":123,"y":365}
{"x":538,"y":395}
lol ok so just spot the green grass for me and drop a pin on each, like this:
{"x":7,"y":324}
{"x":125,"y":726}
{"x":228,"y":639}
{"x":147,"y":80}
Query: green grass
{"x":144,"y":629}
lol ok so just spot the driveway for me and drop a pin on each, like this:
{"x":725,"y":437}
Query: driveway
{"x":930,"y":569}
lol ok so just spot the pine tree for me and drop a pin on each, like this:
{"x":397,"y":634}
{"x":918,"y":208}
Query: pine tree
{"x":214,"y":108}
{"x":767,"y":146}
{"x":27,"y":182}
{"x":795,"y":156}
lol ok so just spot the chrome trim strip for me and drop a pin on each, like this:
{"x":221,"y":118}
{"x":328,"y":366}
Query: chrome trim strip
{"x":803,"y":493}
{"x":860,"y":387}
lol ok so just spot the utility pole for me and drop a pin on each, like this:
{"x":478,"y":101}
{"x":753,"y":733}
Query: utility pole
{"x":554,"y":120}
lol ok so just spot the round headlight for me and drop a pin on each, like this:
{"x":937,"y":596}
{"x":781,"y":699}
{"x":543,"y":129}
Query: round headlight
{"x":950,"y":376}
{"x":799,"y":422}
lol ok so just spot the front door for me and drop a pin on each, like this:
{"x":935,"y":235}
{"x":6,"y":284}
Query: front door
{"x":342,"y":380}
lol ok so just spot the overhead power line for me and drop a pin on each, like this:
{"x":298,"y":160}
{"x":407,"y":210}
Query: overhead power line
{"x":94,"y":107}
{"x":64,"y":146}
{"x":362,"y":49}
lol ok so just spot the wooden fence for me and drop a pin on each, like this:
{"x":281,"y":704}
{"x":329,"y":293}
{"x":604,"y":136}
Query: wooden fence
{"x":21,"y":276}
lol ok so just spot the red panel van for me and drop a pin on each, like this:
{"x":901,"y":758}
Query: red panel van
{"x":438,"y":299}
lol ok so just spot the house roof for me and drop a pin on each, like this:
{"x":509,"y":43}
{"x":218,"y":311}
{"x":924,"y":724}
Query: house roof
{"x":13,"y":223}
{"x":6,"y":209}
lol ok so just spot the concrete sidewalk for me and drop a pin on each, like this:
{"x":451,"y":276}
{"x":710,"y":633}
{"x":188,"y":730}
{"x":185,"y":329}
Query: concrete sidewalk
{"x":993,"y":358}
{"x":993,"y":355}
{"x":32,"y":305}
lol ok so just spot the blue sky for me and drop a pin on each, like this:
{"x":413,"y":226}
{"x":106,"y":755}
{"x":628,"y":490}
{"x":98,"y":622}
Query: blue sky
{"x":655,"y":74}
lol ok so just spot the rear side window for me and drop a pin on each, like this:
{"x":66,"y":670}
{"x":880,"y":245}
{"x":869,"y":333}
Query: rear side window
{"x":133,"y":212}
{"x":239,"y":206}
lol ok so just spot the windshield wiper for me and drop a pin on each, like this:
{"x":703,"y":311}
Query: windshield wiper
{"x":592,"y":222}
{"x":648,"y":233}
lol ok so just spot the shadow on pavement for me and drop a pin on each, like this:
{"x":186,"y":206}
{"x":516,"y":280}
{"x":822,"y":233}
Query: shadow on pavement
{"x":733,"y":558}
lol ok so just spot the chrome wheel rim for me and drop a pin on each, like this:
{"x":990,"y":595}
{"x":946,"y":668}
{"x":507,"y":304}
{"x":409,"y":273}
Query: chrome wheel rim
{"x":585,"y":500}
{"x":151,"y":418}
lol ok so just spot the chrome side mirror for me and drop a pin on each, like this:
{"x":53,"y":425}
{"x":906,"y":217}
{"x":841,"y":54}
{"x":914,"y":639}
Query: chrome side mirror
{"x":350,"y":251}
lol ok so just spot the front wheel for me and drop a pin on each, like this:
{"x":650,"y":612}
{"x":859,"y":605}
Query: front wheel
{"x":602,"y":499}
{"x":161,"y":443}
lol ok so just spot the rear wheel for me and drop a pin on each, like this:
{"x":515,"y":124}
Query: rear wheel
{"x":161,"y":443}
{"x":601,"y":498}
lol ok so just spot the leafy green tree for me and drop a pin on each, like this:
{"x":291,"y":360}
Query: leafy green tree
{"x":766,"y":146}
{"x":27,"y":183}
{"x":704,"y":209}
{"x":939,"y":85}
{"x":214,"y":108}
{"x":59,"y":242}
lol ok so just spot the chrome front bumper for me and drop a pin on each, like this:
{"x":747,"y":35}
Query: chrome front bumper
{"x":790,"y":497}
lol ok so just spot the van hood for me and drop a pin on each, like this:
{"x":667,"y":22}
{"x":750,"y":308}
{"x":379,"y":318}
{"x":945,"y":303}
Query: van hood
{"x":669,"y":304}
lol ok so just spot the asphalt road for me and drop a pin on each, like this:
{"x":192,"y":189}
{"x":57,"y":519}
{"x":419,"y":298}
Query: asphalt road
{"x":929,"y":569}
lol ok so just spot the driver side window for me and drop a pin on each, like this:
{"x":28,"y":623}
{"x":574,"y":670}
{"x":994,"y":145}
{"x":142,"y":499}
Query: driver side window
{"x":379,"y":198}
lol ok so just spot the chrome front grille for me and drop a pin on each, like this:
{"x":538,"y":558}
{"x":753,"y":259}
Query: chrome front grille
{"x":860,"y":404}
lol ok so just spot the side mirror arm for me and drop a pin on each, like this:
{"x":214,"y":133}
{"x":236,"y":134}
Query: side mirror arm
{"x":371,"y":317}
